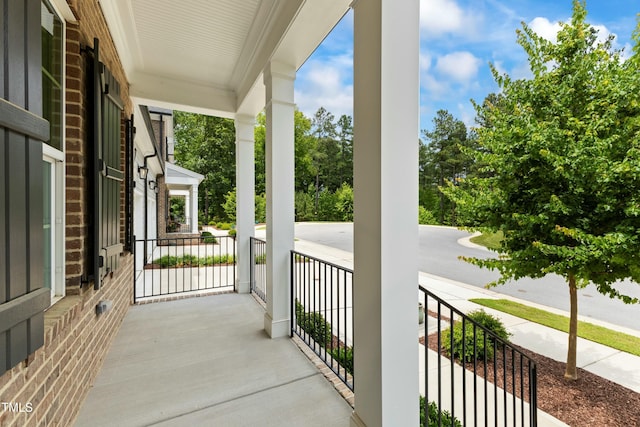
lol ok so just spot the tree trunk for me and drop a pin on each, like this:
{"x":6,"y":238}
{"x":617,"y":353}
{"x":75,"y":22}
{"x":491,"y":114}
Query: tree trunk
{"x":571,"y":371}
{"x":317,"y":201}
{"x":441,"y":194}
{"x":206,"y":206}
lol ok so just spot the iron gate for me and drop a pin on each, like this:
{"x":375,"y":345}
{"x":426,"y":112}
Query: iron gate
{"x":184,"y":265}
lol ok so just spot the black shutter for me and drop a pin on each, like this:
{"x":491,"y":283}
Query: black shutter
{"x":129,"y":185}
{"x":107,"y":119}
{"x":22,"y":132}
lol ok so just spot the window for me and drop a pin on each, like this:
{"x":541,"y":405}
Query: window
{"x":52,"y":34}
{"x":52,"y":72}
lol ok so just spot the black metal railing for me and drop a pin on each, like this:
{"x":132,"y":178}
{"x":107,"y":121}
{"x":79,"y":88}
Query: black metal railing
{"x":322,"y":311}
{"x":481,"y":379}
{"x":485,"y":380}
{"x":179,"y":225}
{"x":178,"y":265}
{"x":258,"y":279}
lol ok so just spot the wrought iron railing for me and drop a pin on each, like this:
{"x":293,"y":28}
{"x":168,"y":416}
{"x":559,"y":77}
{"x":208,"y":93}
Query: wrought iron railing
{"x":258,"y":279}
{"x":179,"y":225}
{"x":485,"y":380}
{"x":481,"y":379}
{"x":178,"y":265}
{"x":322,"y":311}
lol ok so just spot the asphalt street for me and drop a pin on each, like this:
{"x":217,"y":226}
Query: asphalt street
{"x":440,"y":248}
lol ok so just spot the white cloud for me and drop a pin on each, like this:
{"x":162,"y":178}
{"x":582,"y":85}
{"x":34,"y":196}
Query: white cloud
{"x":549,"y":31}
{"x":425,"y":61}
{"x":459,"y":66}
{"x":467,"y":114}
{"x":545,"y":28}
{"x":499,"y":66}
{"x":438,"y":17}
{"x":434,"y":88}
{"x":603,"y":34}
{"x":326,"y":83}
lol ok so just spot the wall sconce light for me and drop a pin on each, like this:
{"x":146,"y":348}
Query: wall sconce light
{"x":157,"y":189}
{"x":142,"y":172}
{"x":153,"y":185}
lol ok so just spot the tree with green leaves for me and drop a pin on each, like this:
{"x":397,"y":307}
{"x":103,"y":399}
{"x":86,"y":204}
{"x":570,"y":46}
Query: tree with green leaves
{"x":206,"y":145}
{"x":562,"y":166}
{"x":443,"y":159}
{"x":304,"y":146}
{"x":345,"y":139}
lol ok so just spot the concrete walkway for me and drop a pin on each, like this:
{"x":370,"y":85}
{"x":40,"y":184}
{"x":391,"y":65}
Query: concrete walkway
{"x":207,"y":361}
{"x":617,"y":366}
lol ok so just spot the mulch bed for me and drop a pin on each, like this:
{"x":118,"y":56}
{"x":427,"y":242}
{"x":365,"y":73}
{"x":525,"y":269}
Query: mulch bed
{"x":589,"y":401}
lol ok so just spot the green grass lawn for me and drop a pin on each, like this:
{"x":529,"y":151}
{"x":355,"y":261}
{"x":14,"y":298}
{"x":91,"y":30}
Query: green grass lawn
{"x":589,"y":331}
{"x":489,"y":240}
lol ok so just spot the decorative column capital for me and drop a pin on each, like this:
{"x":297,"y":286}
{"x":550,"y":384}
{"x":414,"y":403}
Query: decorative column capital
{"x":278,"y":80}
{"x":244,"y":125}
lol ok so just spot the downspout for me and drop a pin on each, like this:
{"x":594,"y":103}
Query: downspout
{"x":147,"y":120}
{"x":146,"y":202}
{"x":163,"y":145}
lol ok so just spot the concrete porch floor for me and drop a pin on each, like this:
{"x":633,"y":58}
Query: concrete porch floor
{"x":207,"y":362}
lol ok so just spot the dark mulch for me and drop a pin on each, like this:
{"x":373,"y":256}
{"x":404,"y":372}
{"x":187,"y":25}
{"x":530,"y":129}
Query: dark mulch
{"x":589,"y":401}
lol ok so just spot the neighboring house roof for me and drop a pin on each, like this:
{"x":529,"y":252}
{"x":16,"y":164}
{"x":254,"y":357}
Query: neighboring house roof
{"x":177,"y":175}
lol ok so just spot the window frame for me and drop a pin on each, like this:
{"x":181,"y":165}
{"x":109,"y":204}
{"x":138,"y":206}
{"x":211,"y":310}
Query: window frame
{"x":57,"y":159}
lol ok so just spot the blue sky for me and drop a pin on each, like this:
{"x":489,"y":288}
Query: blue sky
{"x":459,"y":38}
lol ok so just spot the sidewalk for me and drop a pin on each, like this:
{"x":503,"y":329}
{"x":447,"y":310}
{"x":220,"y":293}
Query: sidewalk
{"x":614,"y":365}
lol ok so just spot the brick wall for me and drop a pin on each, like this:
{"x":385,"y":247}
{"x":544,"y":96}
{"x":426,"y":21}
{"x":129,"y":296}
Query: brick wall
{"x":49,"y":387}
{"x":77,"y":188}
{"x":91,"y":24}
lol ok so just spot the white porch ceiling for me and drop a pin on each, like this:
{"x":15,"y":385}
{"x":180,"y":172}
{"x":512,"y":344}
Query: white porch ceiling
{"x":207,"y":56}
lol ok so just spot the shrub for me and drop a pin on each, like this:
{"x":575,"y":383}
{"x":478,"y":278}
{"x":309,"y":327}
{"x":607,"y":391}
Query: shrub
{"x":484,"y":319}
{"x":169,"y":261}
{"x":432,"y":416}
{"x":229,"y":204}
{"x":188,"y":260}
{"x":232,"y":232}
{"x":217,"y":259}
{"x":314,"y":324}
{"x":344,"y":202}
{"x":327,"y":206}
{"x":166,"y":261}
{"x":426,"y":216}
{"x":344,"y":356}
{"x":207,"y":237}
{"x":305,"y":206}
{"x":261,"y":207}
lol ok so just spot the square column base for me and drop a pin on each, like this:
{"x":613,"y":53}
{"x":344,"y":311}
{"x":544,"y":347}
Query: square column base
{"x":243,"y":287}
{"x":276,"y":328}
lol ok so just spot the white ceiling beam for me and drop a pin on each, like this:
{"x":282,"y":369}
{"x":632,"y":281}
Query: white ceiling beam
{"x":167,"y":92}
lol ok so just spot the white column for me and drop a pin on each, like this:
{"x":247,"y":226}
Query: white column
{"x":193,"y":206}
{"x":188,"y":211}
{"x":386,"y":111}
{"x":279,"y":150}
{"x":245,"y":199}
